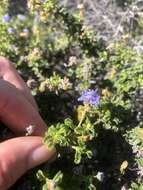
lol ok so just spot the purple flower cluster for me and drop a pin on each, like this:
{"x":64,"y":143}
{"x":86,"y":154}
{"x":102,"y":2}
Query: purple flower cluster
{"x":6,"y":18}
{"x":90,"y":97}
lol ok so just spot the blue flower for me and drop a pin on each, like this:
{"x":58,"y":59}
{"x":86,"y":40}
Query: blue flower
{"x":25,"y":30}
{"x":90,"y":97}
{"x":6,"y":18}
{"x":10,"y":30}
{"x":21,"y":17}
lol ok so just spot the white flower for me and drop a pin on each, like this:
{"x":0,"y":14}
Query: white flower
{"x":30,"y":130}
{"x":100,"y":176}
{"x":80,"y":6}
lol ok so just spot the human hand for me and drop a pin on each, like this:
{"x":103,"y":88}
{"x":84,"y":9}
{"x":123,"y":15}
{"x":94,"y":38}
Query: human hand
{"x":18,"y":155}
{"x":18,"y":110}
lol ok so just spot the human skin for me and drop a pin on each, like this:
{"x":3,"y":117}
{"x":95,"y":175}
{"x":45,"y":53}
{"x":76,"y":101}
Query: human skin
{"x":18,"y":110}
{"x":9,"y":74}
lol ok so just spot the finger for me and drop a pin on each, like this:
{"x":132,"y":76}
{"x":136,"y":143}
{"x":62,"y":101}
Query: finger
{"x":26,"y":153}
{"x":17,"y":113}
{"x":9,"y":73}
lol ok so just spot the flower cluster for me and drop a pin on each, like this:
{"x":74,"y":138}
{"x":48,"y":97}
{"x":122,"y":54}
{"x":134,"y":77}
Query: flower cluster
{"x":90,"y":97}
{"x":11,"y":29}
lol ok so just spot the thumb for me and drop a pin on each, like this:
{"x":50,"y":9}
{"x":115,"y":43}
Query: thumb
{"x":19,"y":155}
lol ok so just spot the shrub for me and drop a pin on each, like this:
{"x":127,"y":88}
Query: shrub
{"x":63,"y":62}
